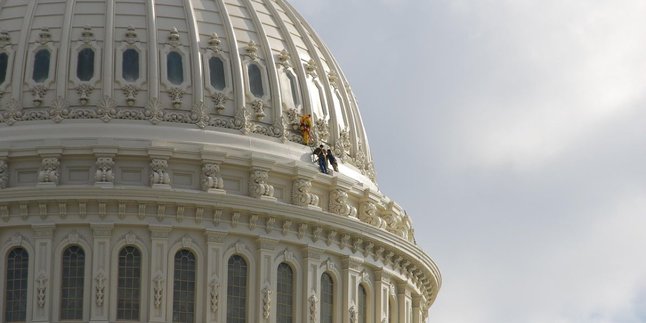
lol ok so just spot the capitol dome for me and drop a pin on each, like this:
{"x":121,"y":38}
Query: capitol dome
{"x":156,"y":166}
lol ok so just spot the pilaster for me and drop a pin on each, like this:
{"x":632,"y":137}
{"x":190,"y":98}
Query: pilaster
{"x":43,"y":235}
{"x":266,"y":280}
{"x":101,"y":272}
{"x":404,"y":302}
{"x":214,"y":267}
{"x":382,"y":290}
{"x":312,"y":286}
{"x":158,"y":268}
{"x":350,"y":288}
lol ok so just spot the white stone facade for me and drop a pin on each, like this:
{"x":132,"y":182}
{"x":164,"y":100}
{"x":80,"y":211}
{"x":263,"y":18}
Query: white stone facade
{"x":172,"y":157}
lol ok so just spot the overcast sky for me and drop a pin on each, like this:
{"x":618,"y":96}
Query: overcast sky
{"x":514,"y":134}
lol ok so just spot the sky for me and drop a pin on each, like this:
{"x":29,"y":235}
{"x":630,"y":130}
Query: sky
{"x":515,"y":137}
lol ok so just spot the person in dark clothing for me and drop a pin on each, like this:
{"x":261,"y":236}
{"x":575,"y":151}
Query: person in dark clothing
{"x":320,"y":153}
{"x":332,"y":160}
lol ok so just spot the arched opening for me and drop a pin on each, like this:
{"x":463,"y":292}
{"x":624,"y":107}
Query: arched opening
{"x":130,"y":65}
{"x":15,"y":303}
{"x":237,"y":290}
{"x":129,"y":284}
{"x":362,"y":309}
{"x":327,"y":299}
{"x":72,"y":283}
{"x":184,"y":287}
{"x":255,"y":80}
{"x":285,"y":294}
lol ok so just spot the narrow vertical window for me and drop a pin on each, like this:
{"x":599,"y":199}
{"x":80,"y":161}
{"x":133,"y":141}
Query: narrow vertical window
{"x":130,"y":65}
{"x":362,"y":309}
{"x":327,"y":299}
{"x":391,"y":312}
{"x":184,"y":287}
{"x":16,"y":285}
{"x":72,"y":283}
{"x":174,"y":68}
{"x":216,"y":71}
{"x":4,"y":64}
{"x":285,"y":294}
{"x":255,"y":80}
{"x":85,"y":65}
{"x":41,"y":66}
{"x":237,"y":290}
{"x":294,"y":87}
{"x":129,"y":284}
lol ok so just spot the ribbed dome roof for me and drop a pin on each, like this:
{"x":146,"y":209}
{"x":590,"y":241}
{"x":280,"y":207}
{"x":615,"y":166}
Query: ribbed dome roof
{"x":242,"y":67}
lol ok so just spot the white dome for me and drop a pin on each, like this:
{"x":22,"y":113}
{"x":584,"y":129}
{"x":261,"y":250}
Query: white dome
{"x":248,"y":65}
{"x":158,"y":129}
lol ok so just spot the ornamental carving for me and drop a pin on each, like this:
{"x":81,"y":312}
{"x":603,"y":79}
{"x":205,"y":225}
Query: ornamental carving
{"x":154,"y":111}
{"x":313,"y":303}
{"x":130,"y":91}
{"x":41,"y":289}
{"x":173,"y":37}
{"x":214,"y":296}
{"x":310,"y":68}
{"x":13,"y":112}
{"x":251,"y":50}
{"x":343,"y":145}
{"x":284,"y":59}
{"x":266,"y":302}
{"x":44,"y":36}
{"x":159,"y":174}
{"x":219,"y":99}
{"x":5,"y":38}
{"x":131,"y":35}
{"x":322,"y":130}
{"x":258,"y":108}
{"x":199,"y":116}
{"x":353,"y":313}
{"x":104,"y":167}
{"x":158,"y":289}
{"x":87,"y":35}
{"x":84,"y":91}
{"x":176,"y":95}
{"x":39,"y":92}
{"x":49,"y":170}
{"x":258,"y":185}
{"x":339,"y":204}
{"x":214,"y":43}
{"x":100,"y":279}
{"x":368,"y":214}
{"x":59,"y":110}
{"x":211,"y":177}
{"x":107,"y":109}
{"x":4,"y":174}
{"x":241,"y":121}
{"x":301,"y":194}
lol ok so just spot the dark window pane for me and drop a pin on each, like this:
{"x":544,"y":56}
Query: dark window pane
{"x":16,"y":285}
{"x":4,"y":61}
{"x":237,"y":290}
{"x":216,"y":69}
{"x":362,"y":310}
{"x":285,"y":294}
{"x":41,"y":66}
{"x":184,"y":287}
{"x":129,"y":284}
{"x":72,"y":283}
{"x":255,"y":80}
{"x":130,"y":65}
{"x":327,"y":299}
{"x":85,"y":64}
{"x":174,"y":68}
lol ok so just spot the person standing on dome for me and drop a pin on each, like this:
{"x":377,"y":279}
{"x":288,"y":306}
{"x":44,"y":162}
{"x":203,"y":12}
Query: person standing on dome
{"x":306,"y":128}
{"x":320,"y":153}
{"x":332,"y":160}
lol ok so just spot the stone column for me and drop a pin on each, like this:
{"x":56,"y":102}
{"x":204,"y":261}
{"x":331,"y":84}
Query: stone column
{"x":265,"y":259}
{"x":99,"y":307}
{"x":158,"y":271}
{"x":214,"y":266}
{"x":404,"y":302}
{"x":417,"y":309}
{"x":43,"y":269}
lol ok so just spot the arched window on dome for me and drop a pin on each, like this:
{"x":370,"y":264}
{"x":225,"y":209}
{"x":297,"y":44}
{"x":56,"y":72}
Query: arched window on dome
{"x":216,"y":73}
{"x":129,"y":284}
{"x":285,"y":294}
{"x":130,"y":65}
{"x":293,"y":85}
{"x":362,"y":309}
{"x":174,"y":68}
{"x":255,"y":80}
{"x":85,"y":64}
{"x":72,"y":282}
{"x":15,"y":298}
{"x":327,"y":299}
{"x":237,"y":290}
{"x":4,"y":64}
{"x":41,"y":66}
{"x":184,"y":287}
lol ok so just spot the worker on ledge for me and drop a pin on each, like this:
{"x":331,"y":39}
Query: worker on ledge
{"x":320,"y":153}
